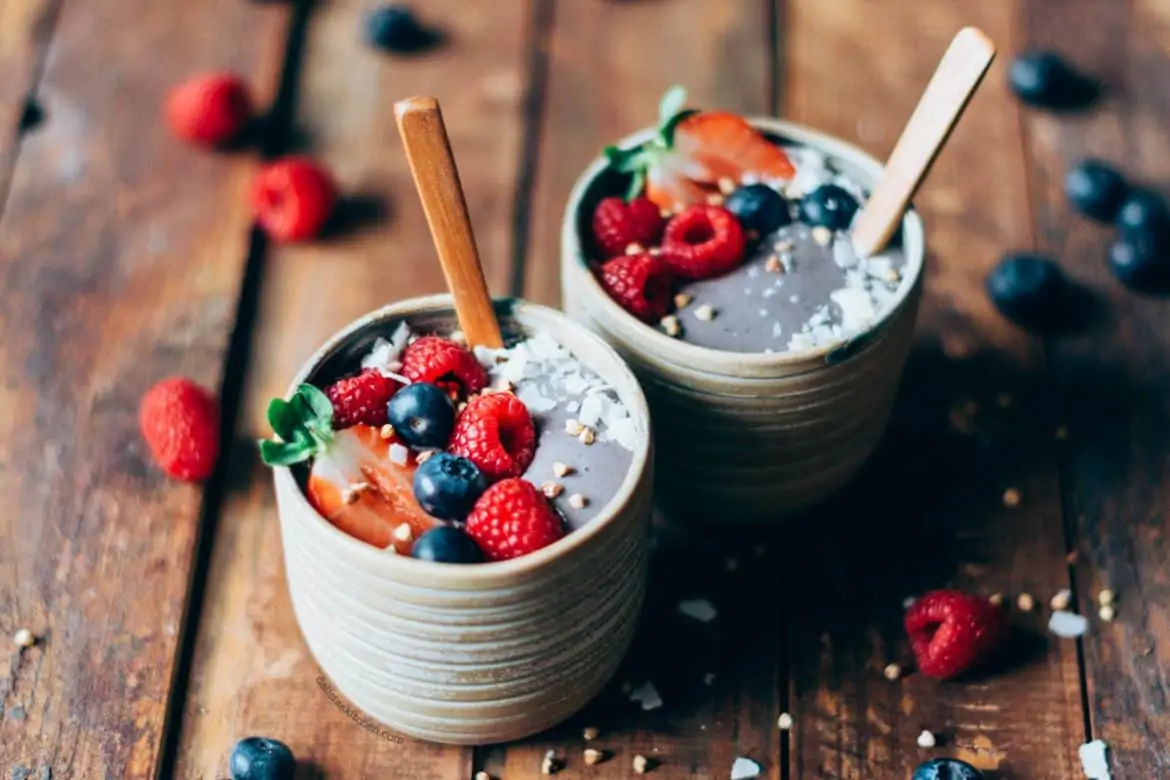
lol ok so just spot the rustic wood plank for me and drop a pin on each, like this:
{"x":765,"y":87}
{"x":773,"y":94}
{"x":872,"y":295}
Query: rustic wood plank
{"x":928,"y":512}
{"x":25,"y":29}
{"x":252,"y":673}
{"x":1113,"y":380}
{"x":608,"y":64}
{"x":120,"y":259}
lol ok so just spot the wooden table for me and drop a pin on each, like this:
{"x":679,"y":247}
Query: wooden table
{"x":125,"y":257}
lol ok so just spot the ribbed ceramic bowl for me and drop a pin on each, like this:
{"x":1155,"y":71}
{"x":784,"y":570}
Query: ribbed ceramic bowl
{"x":751,"y":437}
{"x":470,"y":654}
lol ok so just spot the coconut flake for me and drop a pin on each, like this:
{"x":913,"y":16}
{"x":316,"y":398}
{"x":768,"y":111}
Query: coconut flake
{"x":1095,"y":760}
{"x":745,"y":768}
{"x":1067,"y":625}
{"x":399,"y":454}
{"x":647,"y":695}
{"x":699,"y":609}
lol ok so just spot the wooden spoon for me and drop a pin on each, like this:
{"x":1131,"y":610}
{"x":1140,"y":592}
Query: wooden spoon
{"x":428,"y":151}
{"x":957,"y":77}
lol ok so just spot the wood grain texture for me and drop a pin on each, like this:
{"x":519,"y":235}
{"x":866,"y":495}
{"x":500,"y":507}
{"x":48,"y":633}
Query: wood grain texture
{"x":971,"y":423}
{"x":1112,"y":379}
{"x":252,"y":672}
{"x":120,"y":256}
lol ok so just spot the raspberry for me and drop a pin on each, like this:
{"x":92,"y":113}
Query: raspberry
{"x":703,"y":241}
{"x":952,"y":632}
{"x":495,"y":432}
{"x":180,"y":422}
{"x":640,"y":284}
{"x":617,"y":224}
{"x":361,"y":399}
{"x":292,"y":198}
{"x":438,"y":361}
{"x":513,"y":518}
{"x":209,"y":110}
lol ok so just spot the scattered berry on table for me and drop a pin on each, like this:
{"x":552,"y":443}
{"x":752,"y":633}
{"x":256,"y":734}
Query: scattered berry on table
{"x":946,"y":769}
{"x":447,"y":486}
{"x":210,"y":110}
{"x":617,"y":224}
{"x":292,"y":198}
{"x":395,"y":28}
{"x":261,"y":758}
{"x":447,"y":544}
{"x":703,"y":241}
{"x":1143,"y":211}
{"x":952,"y":632}
{"x":1095,"y":189}
{"x":1141,"y":260}
{"x":179,"y":421}
{"x":640,"y":284}
{"x":1028,"y":289}
{"x":422,"y":415}
{"x":830,"y":206}
{"x":361,"y":399}
{"x":513,"y":518}
{"x":758,"y":207}
{"x":1044,"y":79}
{"x":444,"y":363}
{"x":496,"y":433}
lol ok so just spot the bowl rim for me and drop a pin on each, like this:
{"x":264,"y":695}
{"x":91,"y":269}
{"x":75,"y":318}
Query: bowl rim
{"x":446,"y":573}
{"x":573,"y":256}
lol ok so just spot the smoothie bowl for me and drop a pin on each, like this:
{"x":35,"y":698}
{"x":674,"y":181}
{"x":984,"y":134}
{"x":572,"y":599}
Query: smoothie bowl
{"x":713,"y":252}
{"x":465,"y":531}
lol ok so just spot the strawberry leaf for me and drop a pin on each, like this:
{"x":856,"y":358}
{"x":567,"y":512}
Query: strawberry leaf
{"x":304,"y":425}
{"x":637,"y":183}
{"x":283,"y":418}
{"x":279,"y":453}
{"x":671,"y":103}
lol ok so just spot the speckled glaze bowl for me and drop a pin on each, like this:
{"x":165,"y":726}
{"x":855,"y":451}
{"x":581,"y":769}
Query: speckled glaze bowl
{"x":752,"y":437}
{"x":470,"y":654}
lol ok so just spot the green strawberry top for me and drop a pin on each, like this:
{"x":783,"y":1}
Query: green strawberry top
{"x":303,"y":426}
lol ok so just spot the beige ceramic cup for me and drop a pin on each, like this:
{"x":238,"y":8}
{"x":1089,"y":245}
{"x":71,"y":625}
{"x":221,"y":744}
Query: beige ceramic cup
{"x":752,"y":437}
{"x":471,"y":654}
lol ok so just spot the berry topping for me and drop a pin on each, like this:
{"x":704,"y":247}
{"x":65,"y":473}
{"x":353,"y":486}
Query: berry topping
{"x":513,"y":518}
{"x":703,"y":241}
{"x":292,"y":199}
{"x":946,"y":769}
{"x":952,"y":632}
{"x":760,"y":208}
{"x":617,"y":224}
{"x":209,"y":110}
{"x":422,"y":415}
{"x":1143,"y":212}
{"x":444,"y":363}
{"x":1027,"y":289}
{"x":447,"y":544}
{"x":828,"y":206}
{"x":447,"y":486}
{"x":180,"y":422}
{"x":395,"y":28}
{"x":261,"y":758}
{"x":1141,"y":259}
{"x":360,"y":399}
{"x":693,"y":150}
{"x":495,"y":432}
{"x":640,"y":284}
{"x":1095,"y":189}
{"x":1043,"y":79}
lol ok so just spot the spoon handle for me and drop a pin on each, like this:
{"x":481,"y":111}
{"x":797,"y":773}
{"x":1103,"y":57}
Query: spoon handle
{"x":958,"y":75}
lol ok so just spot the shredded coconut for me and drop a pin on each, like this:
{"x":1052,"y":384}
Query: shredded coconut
{"x":745,"y":769}
{"x":647,"y":695}
{"x":699,"y":609}
{"x":1067,"y":625}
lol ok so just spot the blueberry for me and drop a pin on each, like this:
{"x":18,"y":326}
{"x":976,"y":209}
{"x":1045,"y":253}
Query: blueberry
{"x":758,"y":207}
{"x":447,"y":544}
{"x":946,"y":769}
{"x":394,"y":28}
{"x":422,"y":415}
{"x":1027,"y":289}
{"x":1045,"y":80}
{"x":261,"y":758}
{"x":1140,"y":260}
{"x":1143,"y":212}
{"x":1095,"y":189}
{"x":447,"y":486}
{"x":828,"y":206}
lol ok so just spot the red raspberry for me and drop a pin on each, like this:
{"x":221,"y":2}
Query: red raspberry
{"x":617,"y":224}
{"x":952,"y":632}
{"x":180,"y":422}
{"x":438,"y":361}
{"x":640,"y":284}
{"x":361,"y":399}
{"x":292,"y":198}
{"x":703,"y":241}
{"x":495,"y":432}
{"x":513,"y":518}
{"x":209,"y":110}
